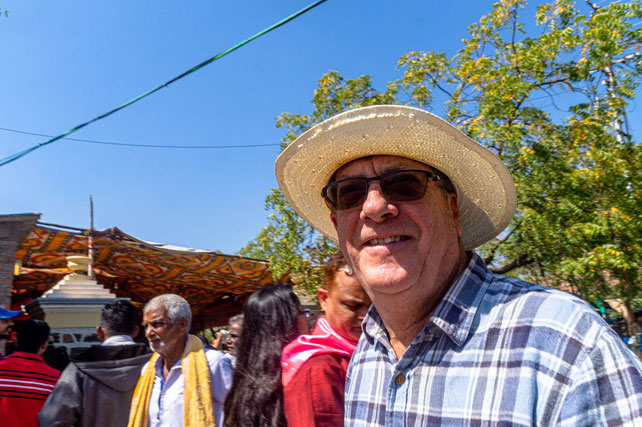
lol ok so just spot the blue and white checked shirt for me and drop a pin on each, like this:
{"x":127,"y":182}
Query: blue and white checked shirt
{"x":497,"y":351}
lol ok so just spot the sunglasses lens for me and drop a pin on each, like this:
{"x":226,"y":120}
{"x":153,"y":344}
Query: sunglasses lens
{"x":404,"y":186}
{"x":348,"y":193}
{"x":398,"y":186}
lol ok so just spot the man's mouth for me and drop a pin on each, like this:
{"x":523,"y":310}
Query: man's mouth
{"x":385,"y":240}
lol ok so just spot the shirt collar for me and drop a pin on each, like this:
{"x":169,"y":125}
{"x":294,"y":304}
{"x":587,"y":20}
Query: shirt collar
{"x":455,"y":313}
{"x":118,"y":340}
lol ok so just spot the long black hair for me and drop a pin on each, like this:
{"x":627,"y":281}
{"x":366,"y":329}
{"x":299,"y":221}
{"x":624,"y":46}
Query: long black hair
{"x":270,"y":322}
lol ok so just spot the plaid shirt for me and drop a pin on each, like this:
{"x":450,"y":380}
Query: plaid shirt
{"x":497,"y":351}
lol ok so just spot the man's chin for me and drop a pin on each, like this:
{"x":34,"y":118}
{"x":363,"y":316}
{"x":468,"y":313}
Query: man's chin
{"x":157,"y":347}
{"x":388,"y":284}
{"x":5,"y":336}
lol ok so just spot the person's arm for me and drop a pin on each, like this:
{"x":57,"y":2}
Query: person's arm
{"x":315,"y":396}
{"x":606,"y":389}
{"x":217,"y":344}
{"x":63,"y":407}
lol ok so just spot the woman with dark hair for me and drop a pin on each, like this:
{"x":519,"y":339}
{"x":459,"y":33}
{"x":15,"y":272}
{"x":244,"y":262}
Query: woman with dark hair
{"x":273,"y":317}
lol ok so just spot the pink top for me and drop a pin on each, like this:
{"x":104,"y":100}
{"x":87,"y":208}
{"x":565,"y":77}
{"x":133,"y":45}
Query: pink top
{"x":324,"y":339}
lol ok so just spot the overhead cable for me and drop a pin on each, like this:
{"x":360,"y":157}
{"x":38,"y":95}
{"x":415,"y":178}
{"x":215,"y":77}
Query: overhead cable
{"x":23,"y":153}
{"x":126,"y":144}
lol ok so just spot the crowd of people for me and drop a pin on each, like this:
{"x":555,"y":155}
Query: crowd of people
{"x":273,"y":373}
{"x":416,"y":329}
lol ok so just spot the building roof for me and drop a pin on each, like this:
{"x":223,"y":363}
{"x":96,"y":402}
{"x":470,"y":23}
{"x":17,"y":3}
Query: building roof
{"x":140,"y":270}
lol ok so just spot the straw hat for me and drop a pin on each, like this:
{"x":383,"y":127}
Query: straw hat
{"x":485,"y":189}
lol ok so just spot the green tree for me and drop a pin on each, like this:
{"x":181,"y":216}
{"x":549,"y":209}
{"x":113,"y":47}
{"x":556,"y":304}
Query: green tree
{"x":549,"y":95}
{"x":576,"y":168}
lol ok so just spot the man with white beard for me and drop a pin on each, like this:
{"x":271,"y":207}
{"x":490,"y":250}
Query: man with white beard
{"x":183,"y":384}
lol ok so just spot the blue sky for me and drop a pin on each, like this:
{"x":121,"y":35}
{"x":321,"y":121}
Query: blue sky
{"x":66,"y":62}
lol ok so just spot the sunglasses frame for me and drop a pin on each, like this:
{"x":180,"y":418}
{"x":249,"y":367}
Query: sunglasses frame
{"x":324,"y":192}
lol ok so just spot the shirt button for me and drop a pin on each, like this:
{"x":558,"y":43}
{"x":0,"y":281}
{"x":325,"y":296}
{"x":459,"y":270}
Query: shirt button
{"x":400,"y":379}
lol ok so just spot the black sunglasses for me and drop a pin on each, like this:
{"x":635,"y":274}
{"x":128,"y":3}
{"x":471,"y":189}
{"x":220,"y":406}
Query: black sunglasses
{"x":397,"y":186}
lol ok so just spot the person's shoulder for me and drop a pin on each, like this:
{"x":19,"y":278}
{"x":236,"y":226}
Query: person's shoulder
{"x":535,"y":306}
{"x":215,"y":357}
{"x":51,"y":371}
{"x":327,"y":359}
{"x":326,"y":365}
{"x":540,"y":299}
{"x":5,"y":362}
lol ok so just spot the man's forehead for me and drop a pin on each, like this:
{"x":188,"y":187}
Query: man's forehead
{"x":382,"y":164}
{"x":156,"y":312}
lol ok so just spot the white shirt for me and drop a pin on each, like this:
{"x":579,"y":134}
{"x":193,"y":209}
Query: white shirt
{"x":166,"y":402}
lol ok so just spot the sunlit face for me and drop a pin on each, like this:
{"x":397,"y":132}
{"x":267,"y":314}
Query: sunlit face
{"x":232,"y":338}
{"x":345,"y":305}
{"x":5,"y":328}
{"x":403,"y":247}
{"x":164,"y":336}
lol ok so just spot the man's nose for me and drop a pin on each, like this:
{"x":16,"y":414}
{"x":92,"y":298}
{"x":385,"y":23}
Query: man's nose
{"x":376,"y":207}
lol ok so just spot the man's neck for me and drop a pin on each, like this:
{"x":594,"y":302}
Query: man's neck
{"x":170,"y":358}
{"x":404,"y":315}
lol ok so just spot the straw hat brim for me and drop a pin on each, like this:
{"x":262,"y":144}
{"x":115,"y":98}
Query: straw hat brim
{"x":485,"y":189}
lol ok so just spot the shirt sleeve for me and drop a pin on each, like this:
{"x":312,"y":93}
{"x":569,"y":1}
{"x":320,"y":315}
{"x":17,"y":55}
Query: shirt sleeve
{"x":221,"y":370}
{"x":315,"y":396}
{"x":607,"y":387}
{"x":63,"y":407}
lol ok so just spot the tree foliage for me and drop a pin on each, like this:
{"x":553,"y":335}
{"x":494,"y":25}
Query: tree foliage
{"x":547,"y":93}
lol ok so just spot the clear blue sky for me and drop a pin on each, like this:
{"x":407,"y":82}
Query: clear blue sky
{"x":65,"y":62}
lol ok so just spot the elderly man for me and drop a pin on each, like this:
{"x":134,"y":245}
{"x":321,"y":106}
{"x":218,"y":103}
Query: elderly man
{"x":183,"y":384}
{"x":96,"y":388}
{"x":230,"y":337}
{"x":408,"y":198}
{"x":235,"y":327}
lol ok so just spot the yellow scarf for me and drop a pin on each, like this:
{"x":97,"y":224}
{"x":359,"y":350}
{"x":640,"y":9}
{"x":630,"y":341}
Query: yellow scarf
{"x":197,"y":410}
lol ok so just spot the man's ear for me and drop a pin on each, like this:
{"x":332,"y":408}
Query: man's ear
{"x":100,"y":333}
{"x":135,"y":331}
{"x":333,"y":218}
{"x":323,"y":297}
{"x":43,"y":348}
{"x":454,"y":208}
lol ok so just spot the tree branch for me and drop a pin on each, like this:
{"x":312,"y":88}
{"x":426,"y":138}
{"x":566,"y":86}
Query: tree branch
{"x":521,"y":261}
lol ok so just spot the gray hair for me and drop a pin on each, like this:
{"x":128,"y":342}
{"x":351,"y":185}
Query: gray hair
{"x":176,"y":307}
{"x":238,"y":318}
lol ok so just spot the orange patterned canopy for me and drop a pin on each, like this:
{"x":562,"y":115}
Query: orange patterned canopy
{"x":137,"y":269}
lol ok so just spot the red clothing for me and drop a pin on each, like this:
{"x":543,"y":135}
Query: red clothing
{"x":324,"y":339}
{"x":314,"y":396}
{"x":25,"y":382}
{"x":314,"y":376}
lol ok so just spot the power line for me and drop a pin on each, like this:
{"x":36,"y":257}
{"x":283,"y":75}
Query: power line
{"x":282,"y":22}
{"x":125,"y":144}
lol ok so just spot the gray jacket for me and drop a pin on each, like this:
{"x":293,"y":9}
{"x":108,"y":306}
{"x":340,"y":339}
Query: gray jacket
{"x":96,"y":388}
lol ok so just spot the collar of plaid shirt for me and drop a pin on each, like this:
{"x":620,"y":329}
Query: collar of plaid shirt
{"x":497,"y":350}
